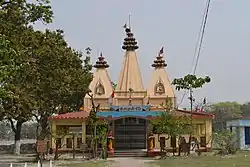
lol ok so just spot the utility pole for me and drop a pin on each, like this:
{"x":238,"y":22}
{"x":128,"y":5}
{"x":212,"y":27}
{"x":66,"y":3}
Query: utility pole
{"x":191,"y":116}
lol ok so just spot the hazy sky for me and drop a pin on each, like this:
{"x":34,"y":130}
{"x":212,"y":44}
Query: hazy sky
{"x":173,"y":24}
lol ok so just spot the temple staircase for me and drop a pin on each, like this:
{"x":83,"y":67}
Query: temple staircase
{"x":131,"y":153}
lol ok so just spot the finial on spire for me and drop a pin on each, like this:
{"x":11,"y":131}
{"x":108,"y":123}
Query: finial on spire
{"x":101,"y":63}
{"x":159,"y":62}
{"x":129,"y":43}
{"x":129,"y":21}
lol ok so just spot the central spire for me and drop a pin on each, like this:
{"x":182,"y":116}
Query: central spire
{"x":130,"y":75}
{"x":129,"y":43}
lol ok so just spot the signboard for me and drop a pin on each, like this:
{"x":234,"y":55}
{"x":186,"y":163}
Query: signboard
{"x":130,"y":108}
{"x":41,"y":146}
{"x":75,"y":129}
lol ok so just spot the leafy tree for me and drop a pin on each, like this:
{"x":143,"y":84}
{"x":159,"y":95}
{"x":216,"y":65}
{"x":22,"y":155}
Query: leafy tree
{"x":224,"y":111}
{"x":245,"y":108}
{"x":190,"y":82}
{"x":7,"y":63}
{"x":171,"y":124}
{"x":16,"y":17}
{"x":61,"y":77}
{"x":102,"y":129}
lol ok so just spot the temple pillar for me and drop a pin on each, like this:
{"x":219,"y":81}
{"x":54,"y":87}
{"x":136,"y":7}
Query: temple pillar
{"x":84,"y":132}
{"x":53,"y":136}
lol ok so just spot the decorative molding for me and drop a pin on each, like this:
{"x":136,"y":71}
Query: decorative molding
{"x":159,"y":88}
{"x":99,"y":89}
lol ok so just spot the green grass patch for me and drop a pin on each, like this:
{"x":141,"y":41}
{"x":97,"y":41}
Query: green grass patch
{"x":241,"y":159}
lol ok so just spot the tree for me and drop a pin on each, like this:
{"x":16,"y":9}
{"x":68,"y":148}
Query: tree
{"x":171,"y":124}
{"x":188,"y":83}
{"x":245,"y":109}
{"x":224,"y":111}
{"x":61,"y":77}
{"x":16,"y":17}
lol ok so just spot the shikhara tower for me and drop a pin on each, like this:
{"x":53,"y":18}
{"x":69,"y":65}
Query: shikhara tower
{"x":130,"y":88}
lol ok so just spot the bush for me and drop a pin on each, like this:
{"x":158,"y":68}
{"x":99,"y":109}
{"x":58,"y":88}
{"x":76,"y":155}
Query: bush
{"x":226,"y":141}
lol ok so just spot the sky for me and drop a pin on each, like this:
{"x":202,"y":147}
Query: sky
{"x":174,"y":24}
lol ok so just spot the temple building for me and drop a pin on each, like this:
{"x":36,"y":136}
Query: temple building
{"x":129,"y":106}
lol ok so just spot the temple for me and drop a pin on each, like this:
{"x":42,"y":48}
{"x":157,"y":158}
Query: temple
{"x":128,"y":107}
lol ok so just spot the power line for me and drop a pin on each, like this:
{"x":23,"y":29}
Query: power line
{"x":202,"y":36}
{"x":198,"y":45}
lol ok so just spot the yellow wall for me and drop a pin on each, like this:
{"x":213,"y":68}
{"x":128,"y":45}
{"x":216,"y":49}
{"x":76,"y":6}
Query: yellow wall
{"x":204,"y":130}
{"x":68,"y":122}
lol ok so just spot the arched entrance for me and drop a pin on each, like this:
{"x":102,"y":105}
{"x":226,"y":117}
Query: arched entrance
{"x":130,"y":133}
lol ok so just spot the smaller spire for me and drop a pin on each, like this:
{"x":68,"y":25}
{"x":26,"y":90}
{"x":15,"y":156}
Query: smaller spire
{"x":159,"y":62}
{"x":101,"y":63}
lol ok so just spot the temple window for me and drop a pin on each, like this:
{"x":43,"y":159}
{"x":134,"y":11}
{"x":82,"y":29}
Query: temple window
{"x":59,"y":142}
{"x":79,"y":142}
{"x":69,"y":142}
{"x":99,"y":90}
{"x":173,"y":141}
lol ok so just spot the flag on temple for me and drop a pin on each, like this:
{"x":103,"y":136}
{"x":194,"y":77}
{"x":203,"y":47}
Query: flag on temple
{"x":113,"y":94}
{"x":203,"y":105}
{"x":125,"y":26}
{"x":161,"y":51}
{"x":196,"y":109}
{"x":204,"y":101}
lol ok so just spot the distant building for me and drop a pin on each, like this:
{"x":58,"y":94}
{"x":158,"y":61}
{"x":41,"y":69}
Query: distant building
{"x":241,"y":128}
{"x":129,"y":106}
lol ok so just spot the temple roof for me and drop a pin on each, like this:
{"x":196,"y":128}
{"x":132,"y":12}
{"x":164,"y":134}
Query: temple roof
{"x":159,"y":62}
{"x":71,"y":115}
{"x":101,"y":86}
{"x":159,"y":83}
{"x":101,"y":63}
{"x":117,"y":114}
{"x":130,"y":75}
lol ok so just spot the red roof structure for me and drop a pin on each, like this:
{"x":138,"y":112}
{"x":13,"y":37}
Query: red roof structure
{"x":197,"y":114}
{"x":71,"y":115}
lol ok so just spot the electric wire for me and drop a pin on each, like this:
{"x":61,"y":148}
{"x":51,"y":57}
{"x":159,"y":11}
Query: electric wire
{"x":198,"y":46}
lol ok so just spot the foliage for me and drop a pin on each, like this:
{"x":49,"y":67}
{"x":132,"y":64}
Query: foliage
{"x":190,"y":81}
{"x":226,"y":141}
{"x":224,"y":111}
{"x":102,"y":129}
{"x":16,"y":17}
{"x":171,"y":124}
{"x":52,"y":77}
{"x":7,"y":64}
{"x":245,"y":108}
{"x":62,"y":78}
{"x":23,"y":12}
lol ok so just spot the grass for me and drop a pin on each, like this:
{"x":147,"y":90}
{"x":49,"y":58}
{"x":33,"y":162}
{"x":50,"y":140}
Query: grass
{"x":241,"y":159}
{"x":86,"y":164}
